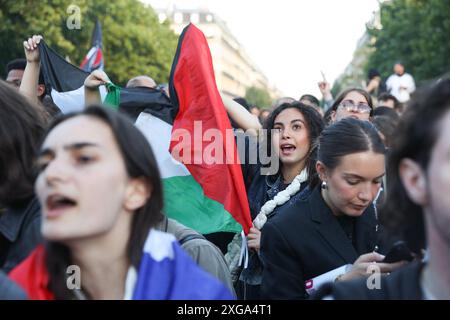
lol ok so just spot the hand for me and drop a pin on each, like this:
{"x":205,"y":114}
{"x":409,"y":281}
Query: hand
{"x":254,"y":238}
{"x":325,"y":88}
{"x":96,"y":79}
{"x":31,"y":48}
{"x":361,"y":266}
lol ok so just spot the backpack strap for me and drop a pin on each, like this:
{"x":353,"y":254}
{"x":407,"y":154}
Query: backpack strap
{"x":190,"y":237}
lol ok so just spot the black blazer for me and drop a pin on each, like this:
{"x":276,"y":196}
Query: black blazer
{"x":306,"y":240}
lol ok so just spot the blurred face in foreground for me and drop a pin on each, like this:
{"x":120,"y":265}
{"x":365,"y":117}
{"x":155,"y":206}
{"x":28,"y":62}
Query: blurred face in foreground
{"x":430,"y":188}
{"x":83,"y":185}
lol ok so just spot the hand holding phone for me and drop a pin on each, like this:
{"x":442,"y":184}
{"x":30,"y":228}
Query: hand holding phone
{"x":398,"y":252}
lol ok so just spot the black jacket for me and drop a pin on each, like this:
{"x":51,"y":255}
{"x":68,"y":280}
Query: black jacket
{"x":306,"y":241}
{"x":402,"y":284}
{"x":19,"y":233}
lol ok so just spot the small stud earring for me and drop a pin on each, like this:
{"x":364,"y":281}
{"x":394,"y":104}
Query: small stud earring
{"x":324,"y":185}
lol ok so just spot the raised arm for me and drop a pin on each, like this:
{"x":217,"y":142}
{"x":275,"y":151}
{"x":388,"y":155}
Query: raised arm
{"x":30,"y":80}
{"x":325,"y":90}
{"x":241,"y":116}
{"x":91,"y":84}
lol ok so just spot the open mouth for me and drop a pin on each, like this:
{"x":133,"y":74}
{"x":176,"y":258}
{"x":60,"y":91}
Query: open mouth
{"x":56,"y":204}
{"x":287,"y":149}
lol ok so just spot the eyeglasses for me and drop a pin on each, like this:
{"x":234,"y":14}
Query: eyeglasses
{"x":350,"y":106}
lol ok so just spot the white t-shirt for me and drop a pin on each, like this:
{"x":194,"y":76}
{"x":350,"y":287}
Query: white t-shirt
{"x":401,"y":86}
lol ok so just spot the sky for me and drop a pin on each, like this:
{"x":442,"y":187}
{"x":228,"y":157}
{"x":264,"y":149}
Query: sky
{"x":292,"y":41}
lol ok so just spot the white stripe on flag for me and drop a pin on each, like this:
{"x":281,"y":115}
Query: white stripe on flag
{"x":72,"y":101}
{"x":158,"y":134}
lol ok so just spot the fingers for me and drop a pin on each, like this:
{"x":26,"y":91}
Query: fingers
{"x":100,"y":75}
{"x":254,"y":230}
{"x":32,"y":42}
{"x":370,"y":257}
{"x":37,"y":38}
{"x":253,"y":244}
{"x":389,"y":267}
{"x":252,"y":236}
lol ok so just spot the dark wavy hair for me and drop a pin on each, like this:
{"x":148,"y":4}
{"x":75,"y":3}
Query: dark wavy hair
{"x":140,"y":162}
{"x":314,"y":125}
{"x":417,"y":134}
{"x":341,"y":97}
{"x":21,"y":128}
{"x":345,"y":137}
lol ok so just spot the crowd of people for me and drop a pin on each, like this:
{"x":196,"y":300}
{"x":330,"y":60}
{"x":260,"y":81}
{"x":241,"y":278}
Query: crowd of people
{"x":357,"y":174}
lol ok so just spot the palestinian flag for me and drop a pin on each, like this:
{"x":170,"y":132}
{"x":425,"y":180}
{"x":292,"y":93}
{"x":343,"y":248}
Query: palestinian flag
{"x":208,"y":196}
{"x":205,"y":196}
{"x":94,"y":58}
{"x":64,"y":82}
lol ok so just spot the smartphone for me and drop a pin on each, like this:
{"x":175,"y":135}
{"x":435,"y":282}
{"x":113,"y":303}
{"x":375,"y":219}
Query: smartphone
{"x":398,"y":252}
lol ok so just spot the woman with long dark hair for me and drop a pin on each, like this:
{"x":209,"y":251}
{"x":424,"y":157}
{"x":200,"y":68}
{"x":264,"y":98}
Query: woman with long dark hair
{"x":101,"y":197}
{"x":21,"y":127}
{"x":291,"y":130}
{"x":328,"y":231}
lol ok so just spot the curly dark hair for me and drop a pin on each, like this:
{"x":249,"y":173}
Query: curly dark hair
{"x":417,"y":133}
{"x":314,"y":125}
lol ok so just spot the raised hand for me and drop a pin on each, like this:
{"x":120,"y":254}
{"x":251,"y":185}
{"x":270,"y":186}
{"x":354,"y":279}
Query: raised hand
{"x":31,"y":48}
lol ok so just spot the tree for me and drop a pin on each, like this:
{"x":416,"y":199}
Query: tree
{"x":415,"y":32}
{"x":258,"y":97}
{"x":134,"y":42}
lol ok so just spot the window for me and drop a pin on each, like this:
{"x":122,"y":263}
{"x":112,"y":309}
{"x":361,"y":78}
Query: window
{"x":178,"y":17}
{"x":195,"y":18}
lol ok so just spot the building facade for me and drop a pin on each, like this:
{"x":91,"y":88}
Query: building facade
{"x":234,"y":70}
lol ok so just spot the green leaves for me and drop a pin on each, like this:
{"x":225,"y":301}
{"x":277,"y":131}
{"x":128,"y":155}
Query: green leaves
{"x":258,"y":97}
{"x":134,"y":42}
{"x":416,"y":32}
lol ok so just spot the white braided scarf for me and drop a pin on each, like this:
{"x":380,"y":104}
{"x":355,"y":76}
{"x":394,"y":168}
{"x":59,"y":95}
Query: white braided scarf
{"x":281,"y":198}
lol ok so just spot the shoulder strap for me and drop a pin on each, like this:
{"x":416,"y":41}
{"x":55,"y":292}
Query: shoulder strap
{"x":190,"y":237}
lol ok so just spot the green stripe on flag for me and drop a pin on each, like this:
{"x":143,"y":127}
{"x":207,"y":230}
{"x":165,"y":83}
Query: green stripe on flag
{"x":185,"y":201}
{"x":112,"y":99}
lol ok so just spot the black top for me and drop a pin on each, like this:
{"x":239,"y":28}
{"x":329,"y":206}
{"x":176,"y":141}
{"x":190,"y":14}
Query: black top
{"x":306,"y":240}
{"x":348,"y":225}
{"x":20,"y":233}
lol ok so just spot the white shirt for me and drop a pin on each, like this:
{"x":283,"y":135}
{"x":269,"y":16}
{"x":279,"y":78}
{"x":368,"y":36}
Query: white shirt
{"x":394,"y":82}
